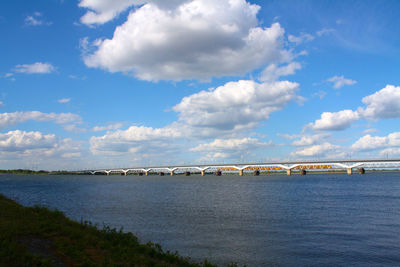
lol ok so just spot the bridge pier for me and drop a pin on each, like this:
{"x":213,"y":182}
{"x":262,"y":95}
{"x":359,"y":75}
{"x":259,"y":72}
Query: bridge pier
{"x":241,"y":172}
{"x":171,"y":173}
{"x":146,"y":173}
{"x":202,"y":173}
{"x":289,"y":172}
{"x":349,"y":171}
{"x":361,"y":171}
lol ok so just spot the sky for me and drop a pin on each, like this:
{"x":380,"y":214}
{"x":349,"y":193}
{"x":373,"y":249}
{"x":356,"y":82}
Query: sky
{"x":90,"y":84}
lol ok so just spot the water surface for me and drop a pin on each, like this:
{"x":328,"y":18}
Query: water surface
{"x":312,"y":220}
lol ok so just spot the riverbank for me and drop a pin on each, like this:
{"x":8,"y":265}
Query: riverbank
{"x":37,"y":236}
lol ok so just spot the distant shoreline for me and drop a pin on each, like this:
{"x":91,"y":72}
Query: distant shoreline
{"x":63,"y":172}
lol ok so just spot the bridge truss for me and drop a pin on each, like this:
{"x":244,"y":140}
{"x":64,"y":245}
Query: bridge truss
{"x":256,"y":168}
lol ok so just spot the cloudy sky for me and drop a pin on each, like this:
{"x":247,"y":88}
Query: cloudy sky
{"x":118,"y":83}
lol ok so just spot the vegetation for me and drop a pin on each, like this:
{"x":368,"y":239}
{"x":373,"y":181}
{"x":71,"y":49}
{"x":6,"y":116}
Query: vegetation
{"x":37,"y":236}
{"x":26,"y":171}
{"x":22,"y":171}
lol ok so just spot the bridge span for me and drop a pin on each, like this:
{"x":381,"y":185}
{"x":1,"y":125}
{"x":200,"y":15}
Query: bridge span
{"x":289,"y":167}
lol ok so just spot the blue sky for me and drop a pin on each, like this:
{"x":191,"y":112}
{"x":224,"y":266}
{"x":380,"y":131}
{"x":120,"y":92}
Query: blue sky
{"x":93,"y":84}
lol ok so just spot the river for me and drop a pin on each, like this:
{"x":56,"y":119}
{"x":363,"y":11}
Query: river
{"x":311,"y":220}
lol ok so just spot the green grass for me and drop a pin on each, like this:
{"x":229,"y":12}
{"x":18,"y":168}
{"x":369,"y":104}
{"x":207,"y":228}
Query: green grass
{"x":37,"y":236}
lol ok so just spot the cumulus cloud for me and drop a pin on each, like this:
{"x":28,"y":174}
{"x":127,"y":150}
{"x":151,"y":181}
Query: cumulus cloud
{"x":238,"y":144}
{"x":273,"y":72}
{"x":45,"y":150}
{"x":340,"y":81}
{"x":35,"y":68}
{"x":393,"y":151}
{"x":230,"y":148}
{"x":22,"y":141}
{"x":320,"y":150}
{"x":219,"y":113}
{"x":102,"y":11}
{"x":10,"y":119}
{"x":198,"y":39}
{"x":369,"y":143}
{"x":64,"y":100}
{"x":335,"y":121}
{"x":308,"y":140}
{"x":383,"y":104}
{"x":134,"y":139}
{"x":235,"y":105}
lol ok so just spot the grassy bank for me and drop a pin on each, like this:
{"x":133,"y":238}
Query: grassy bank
{"x":36,"y":236}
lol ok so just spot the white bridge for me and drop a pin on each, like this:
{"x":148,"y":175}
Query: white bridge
{"x":255,"y":168}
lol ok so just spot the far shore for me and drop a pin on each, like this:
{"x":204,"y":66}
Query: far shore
{"x":249,"y":173}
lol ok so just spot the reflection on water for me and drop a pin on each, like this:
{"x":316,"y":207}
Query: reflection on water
{"x":313,"y":220}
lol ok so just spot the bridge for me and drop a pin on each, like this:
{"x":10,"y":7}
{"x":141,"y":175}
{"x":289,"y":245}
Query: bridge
{"x":289,"y":167}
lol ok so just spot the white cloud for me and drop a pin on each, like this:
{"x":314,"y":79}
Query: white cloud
{"x":102,"y":11}
{"x":113,"y":126}
{"x":273,"y":72}
{"x":390,"y":152}
{"x":369,"y":143}
{"x":340,"y":81}
{"x":231,"y":145}
{"x":383,"y":104}
{"x":21,"y":141}
{"x":1,"y":103}
{"x":36,"y":19}
{"x":235,"y":105}
{"x":302,"y":38}
{"x":9,"y":119}
{"x":64,"y":100}
{"x":37,"y":67}
{"x":229,"y":148}
{"x":218,"y":113}
{"x":199,"y":39}
{"x":134,"y":139}
{"x":370,"y":130}
{"x":320,"y":150}
{"x":335,"y":120}
{"x":308,"y":140}
{"x":19,"y":148}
